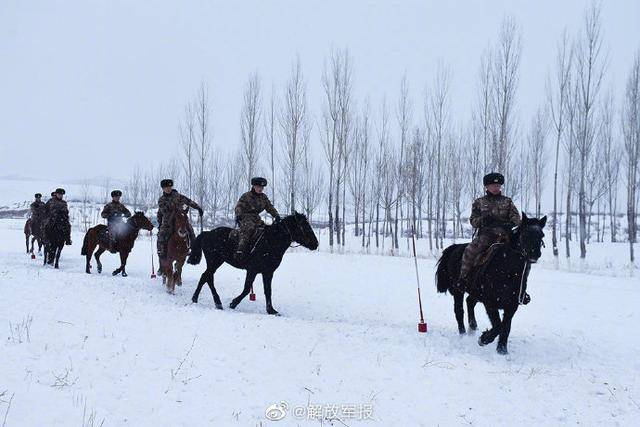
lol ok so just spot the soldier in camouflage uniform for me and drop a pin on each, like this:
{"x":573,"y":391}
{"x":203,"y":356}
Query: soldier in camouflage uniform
{"x":169,"y":203}
{"x":492,"y":215}
{"x":247,"y":212}
{"x":113,"y":212}
{"x":37,"y":209}
{"x":57,"y":205}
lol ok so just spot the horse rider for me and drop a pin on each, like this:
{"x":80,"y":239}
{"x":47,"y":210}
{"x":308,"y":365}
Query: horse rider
{"x":493,"y":216}
{"x":57,"y":205}
{"x":247,"y":213}
{"x":114,"y":212}
{"x":37,"y":208}
{"x":168,"y":204}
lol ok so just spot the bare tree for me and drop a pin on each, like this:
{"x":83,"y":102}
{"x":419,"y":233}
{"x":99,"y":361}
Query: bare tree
{"x":203,"y":141}
{"x":337,"y":86}
{"x":188,"y":143}
{"x":404,"y":115}
{"x":249,"y":125}
{"x":506,"y":64}
{"x":270,"y":132}
{"x":437,"y":119}
{"x":537,"y":156}
{"x":611,"y":154}
{"x":631,"y":132}
{"x":557,"y":95}
{"x":293,"y":119}
{"x":590,"y":68}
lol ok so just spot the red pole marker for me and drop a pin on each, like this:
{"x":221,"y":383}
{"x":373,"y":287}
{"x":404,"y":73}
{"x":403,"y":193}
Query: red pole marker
{"x":252,"y":296}
{"x":33,"y":256}
{"x":153,"y":268}
{"x":422,"y":326}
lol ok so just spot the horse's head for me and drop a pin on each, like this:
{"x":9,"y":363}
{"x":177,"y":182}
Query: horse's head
{"x":300,"y":230}
{"x":182,"y":221}
{"x":528,"y":237}
{"x":140,"y":221}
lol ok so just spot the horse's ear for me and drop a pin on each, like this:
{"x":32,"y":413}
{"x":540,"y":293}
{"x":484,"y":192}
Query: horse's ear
{"x":524,"y":218}
{"x":543,"y":221}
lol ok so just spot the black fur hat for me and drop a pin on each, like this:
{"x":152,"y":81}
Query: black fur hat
{"x":115,"y":193}
{"x":493,"y":178}
{"x":166,"y":183}
{"x":38,"y":195}
{"x":258,"y":180}
{"x":59,"y":190}
{"x":53,"y":193}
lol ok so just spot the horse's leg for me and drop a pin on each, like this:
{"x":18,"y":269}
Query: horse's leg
{"x":471,"y":314}
{"x":123,"y":263}
{"x":251,"y":276}
{"x":177,"y":275}
{"x":458,"y":309}
{"x":491,"y":334}
{"x":26,"y":237}
{"x":266,"y":281}
{"x":505,"y":328}
{"x":99,"y":252}
{"x":58,"y":251}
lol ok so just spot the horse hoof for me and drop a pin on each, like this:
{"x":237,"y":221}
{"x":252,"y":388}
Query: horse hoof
{"x":462,"y":330}
{"x":194,"y":300}
{"x":88,"y":272}
{"x":115,"y":273}
{"x":483,"y":340}
{"x":273,"y":312}
{"x":219,"y":307}
{"x":473,"y":325}
{"x":502,"y":349}
{"x":179,"y":284}
{"x":233,"y":306}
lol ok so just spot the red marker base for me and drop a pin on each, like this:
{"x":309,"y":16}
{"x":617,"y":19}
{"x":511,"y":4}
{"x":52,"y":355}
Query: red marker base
{"x":252,"y":296}
{"x":153,"y":275}
{"x":33,"y":256}
{"x":422,"y":327}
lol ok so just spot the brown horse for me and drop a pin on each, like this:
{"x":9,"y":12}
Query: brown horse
{"x":96,"y":237}
{"x":33,"y":228}
{"x":177,"y":251}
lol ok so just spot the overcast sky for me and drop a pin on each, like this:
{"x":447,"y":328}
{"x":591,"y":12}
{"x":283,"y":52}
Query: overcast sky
{"x":90,"y":88}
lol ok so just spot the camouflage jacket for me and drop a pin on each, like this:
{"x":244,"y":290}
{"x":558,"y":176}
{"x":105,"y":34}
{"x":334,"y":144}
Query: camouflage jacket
{"x":251,"y":204}
{"x":37,"y":209}
{"x":112,"y":209}
{"x":168,"y":204}
{"x":494,"y":211}
{"x":55,"y":206}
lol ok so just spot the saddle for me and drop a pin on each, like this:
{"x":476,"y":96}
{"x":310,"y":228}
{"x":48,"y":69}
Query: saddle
{"x":234,"y":238}
{"x":104,"y":238}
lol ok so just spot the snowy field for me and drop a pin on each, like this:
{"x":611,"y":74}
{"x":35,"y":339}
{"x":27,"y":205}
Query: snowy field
{"x":80,"y":350}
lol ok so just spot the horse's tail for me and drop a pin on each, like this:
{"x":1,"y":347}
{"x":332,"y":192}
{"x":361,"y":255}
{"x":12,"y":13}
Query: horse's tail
{"x":442,"y":274}
{"x":196,"y":250}
{"x":85,"y":243}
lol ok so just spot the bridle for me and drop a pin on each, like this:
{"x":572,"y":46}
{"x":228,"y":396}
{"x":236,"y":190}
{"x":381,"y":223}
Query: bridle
{"x":286,"y":227}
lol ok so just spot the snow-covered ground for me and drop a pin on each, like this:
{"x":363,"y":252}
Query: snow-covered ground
{"x":81,"y":349}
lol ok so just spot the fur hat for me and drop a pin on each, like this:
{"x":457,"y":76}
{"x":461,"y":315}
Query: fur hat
{"x":115,"y":193}
{"x":166,"y":183}
{"x":493,"y":178}
{"x":258,"y":180}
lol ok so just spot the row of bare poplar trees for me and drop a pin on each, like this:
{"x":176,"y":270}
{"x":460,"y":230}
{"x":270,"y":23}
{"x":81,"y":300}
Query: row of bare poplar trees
{"x":388,"y":169}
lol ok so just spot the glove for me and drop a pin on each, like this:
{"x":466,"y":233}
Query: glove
{"x":200,"y":211}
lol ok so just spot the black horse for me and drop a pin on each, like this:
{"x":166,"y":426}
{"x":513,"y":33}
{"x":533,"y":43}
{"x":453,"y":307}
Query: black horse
{"x":265,"y":258}
{"x":501,"y":283}
{"x":55,"y":231}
